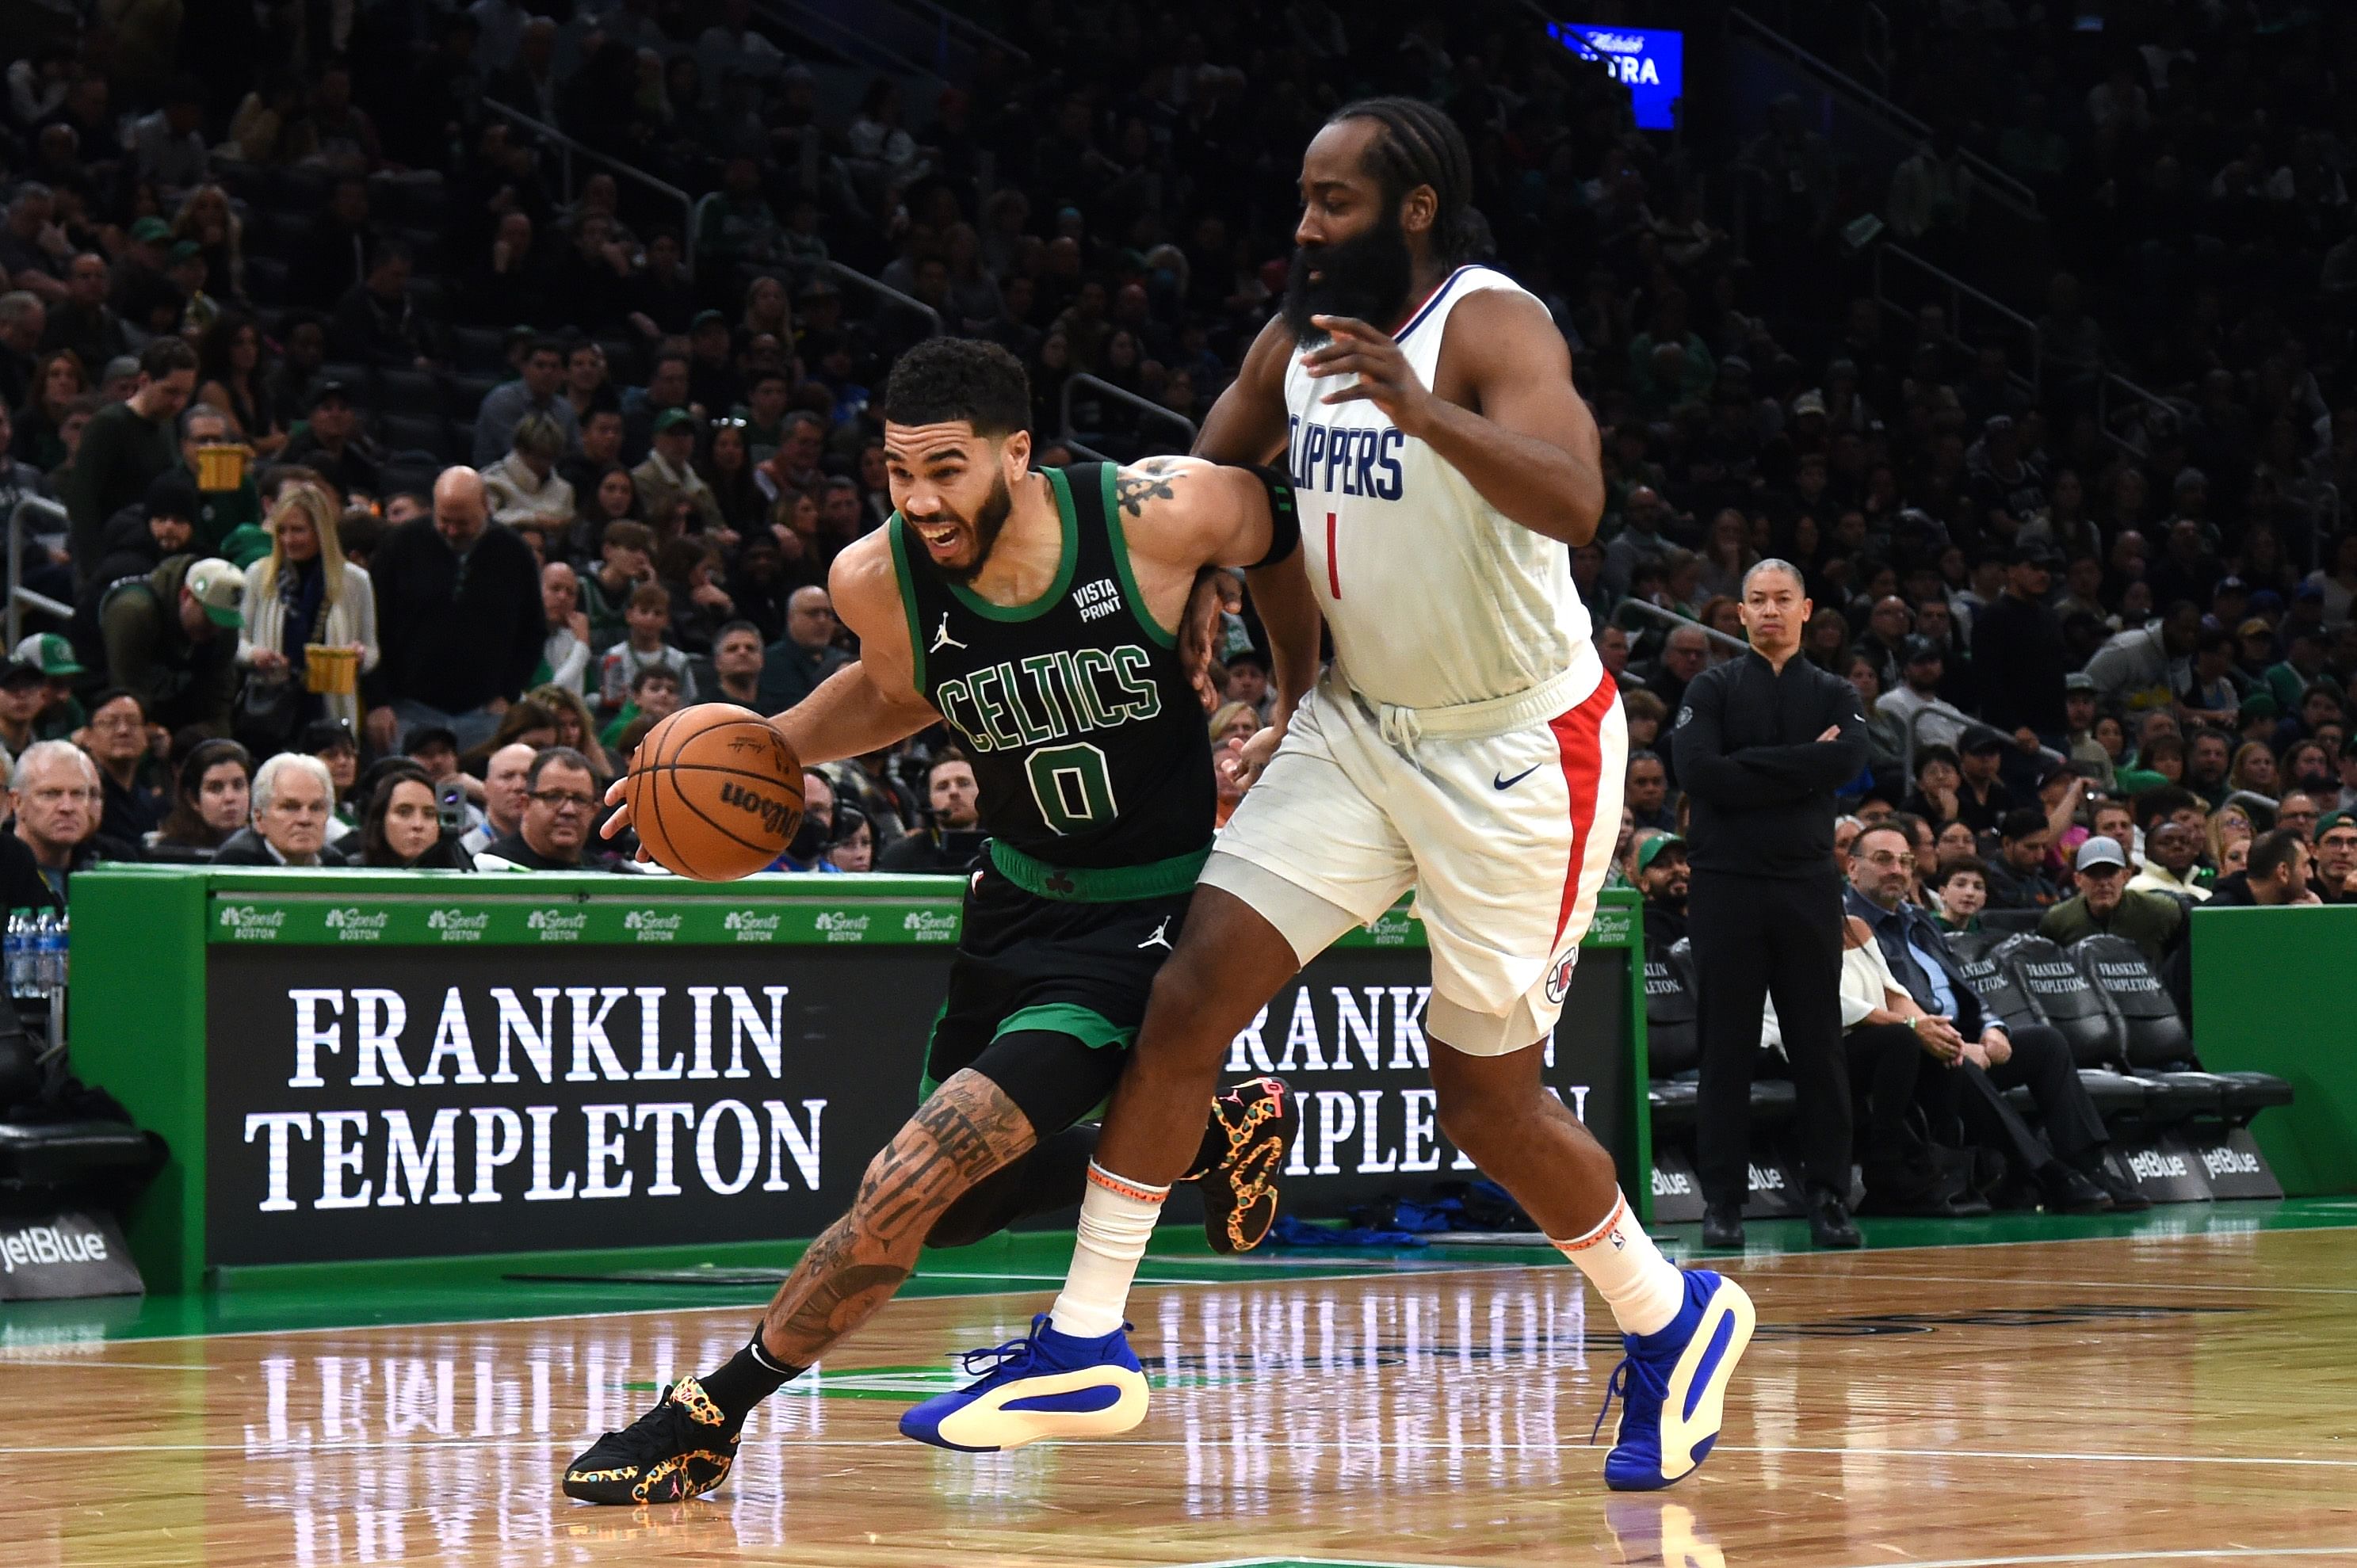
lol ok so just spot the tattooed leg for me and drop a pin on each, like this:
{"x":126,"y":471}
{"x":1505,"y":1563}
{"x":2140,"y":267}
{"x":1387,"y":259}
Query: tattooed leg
{"x":966,"y":1131}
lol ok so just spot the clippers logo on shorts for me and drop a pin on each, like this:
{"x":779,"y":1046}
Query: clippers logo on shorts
{"x":1558,"y":986}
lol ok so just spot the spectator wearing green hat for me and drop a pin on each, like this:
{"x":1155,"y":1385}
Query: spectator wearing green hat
{"x":61,"y":713}
{"x":1662,"y":878}
{"x":140,"y":288}
{"x":668,"y":477}
{"x":2335,"y":874}
{"x":171,"y":641}
{"x":185,"y":271}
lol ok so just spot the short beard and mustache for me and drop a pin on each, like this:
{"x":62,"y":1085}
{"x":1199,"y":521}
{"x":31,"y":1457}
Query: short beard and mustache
{"x":1367,"y":278}
{"x":989,"y":523}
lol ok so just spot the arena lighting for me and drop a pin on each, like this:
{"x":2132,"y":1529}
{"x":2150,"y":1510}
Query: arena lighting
{"x":1650,"y":61}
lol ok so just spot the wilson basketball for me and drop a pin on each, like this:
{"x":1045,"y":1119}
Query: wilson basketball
{"x":715,"y":793}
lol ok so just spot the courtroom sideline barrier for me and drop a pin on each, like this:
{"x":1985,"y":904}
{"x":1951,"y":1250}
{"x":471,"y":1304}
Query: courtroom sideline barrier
{"x":2273,"y":992}
{"x":409,"y":1069}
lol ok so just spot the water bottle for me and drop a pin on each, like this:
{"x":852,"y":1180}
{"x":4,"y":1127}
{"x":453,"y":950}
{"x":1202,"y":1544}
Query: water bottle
{"x":18,"y":961}
{"x":49,"y":954}
{"x":63,"y":931}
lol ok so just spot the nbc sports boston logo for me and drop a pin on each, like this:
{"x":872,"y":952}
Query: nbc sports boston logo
{"x":353,"y":924}
{"x":460,"y":924}
{"x":843,"y":925}
{"x":929,"y":926}
{"x":650,"y":926}
{"x":753,"y":925}
{"x":245,"y":923}
{"x":558,"y":925}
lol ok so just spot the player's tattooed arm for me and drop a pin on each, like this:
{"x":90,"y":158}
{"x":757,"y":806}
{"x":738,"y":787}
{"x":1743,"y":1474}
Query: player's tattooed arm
{"x":1150,"y":480}
{"x":966,"y":1131}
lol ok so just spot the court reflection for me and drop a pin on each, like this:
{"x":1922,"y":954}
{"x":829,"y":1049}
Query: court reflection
{"x":2002,"y":1404}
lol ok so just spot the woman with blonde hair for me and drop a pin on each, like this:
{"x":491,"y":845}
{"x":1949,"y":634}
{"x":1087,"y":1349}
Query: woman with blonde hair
{"x":575,"y":729}
{"x":2254,"y":769}
{"x":2229,"y":825}
{"x":207,"y":220}
{"x":304,"y":593}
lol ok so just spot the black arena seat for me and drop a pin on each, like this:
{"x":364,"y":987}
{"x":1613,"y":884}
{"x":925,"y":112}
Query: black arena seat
{"x":2159,"y":1045}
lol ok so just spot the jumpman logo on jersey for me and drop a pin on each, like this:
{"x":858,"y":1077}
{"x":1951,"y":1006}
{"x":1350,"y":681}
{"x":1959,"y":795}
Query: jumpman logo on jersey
{"x":942,"y":638}
{"x":1160,"y":938}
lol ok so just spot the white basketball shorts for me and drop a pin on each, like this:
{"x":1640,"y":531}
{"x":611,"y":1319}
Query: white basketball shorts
{"x":1505,"y":837}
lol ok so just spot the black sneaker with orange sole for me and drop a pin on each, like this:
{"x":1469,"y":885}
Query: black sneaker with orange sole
{"x":682,"y":1448}
{"x":1254,"y":1125}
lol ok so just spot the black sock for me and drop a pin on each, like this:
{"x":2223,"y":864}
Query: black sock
{"x":749,"y":1377}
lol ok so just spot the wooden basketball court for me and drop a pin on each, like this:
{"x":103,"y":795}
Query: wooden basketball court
{"x":2142,"y":1395}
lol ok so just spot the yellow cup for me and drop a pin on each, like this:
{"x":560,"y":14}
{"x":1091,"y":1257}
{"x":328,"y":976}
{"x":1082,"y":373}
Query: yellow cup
{"x":222,"y":468}
{"x":330,"y":671}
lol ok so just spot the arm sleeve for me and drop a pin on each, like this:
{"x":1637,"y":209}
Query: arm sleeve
{"x":364,"y":618}
{"x":1699,"y":745}
{"x":1814,"y":766}
{"x":1730,"y":782}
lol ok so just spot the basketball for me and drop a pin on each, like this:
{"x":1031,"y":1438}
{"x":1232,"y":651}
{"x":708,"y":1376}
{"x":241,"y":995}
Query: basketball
{"x":715,"y":793}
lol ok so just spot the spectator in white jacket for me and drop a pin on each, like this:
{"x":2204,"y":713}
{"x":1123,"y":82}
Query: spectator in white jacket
{"x":304,"y":593}
{"x":523,"y":487}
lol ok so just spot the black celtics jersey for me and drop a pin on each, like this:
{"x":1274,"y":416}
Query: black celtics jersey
{"x":1090,"y":747}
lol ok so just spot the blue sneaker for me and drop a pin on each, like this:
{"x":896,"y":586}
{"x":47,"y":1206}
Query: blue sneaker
{"x":1672,"y":1387}
{"x":1047,"y":1385}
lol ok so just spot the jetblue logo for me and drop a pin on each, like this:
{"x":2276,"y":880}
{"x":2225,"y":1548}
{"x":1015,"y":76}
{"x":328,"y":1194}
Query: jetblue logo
{"x":1341,"y":461}
{"x":2229,"y":1162}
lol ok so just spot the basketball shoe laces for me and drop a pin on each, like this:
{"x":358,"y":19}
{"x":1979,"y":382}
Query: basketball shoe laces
{"x":1012,"y":1357}
{"x":1649,"y":1379}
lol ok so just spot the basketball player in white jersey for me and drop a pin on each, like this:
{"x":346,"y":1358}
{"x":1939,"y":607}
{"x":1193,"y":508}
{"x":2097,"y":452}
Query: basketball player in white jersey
{"x":1465,"y":742}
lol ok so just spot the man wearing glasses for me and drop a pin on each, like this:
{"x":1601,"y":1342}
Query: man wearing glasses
{"x":220,"y":514}
{"x":2067,"y":1162}
{"x":560,"y":809}
{"x":2106,"y":903}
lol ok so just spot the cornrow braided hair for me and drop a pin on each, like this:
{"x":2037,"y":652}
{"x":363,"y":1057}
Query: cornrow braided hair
{"x":1422,"y":145}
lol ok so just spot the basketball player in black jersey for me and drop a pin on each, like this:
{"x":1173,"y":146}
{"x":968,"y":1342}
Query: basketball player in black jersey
{"x":1037,"y":613}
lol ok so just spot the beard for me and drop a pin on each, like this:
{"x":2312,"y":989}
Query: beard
{"x":1367,"y":278}
{"x":987,"y":523}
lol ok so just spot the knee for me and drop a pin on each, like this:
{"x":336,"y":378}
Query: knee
{"x":962,"y":1225}
{"x":1186,"y":1016}
{"x":2040,"y":1047}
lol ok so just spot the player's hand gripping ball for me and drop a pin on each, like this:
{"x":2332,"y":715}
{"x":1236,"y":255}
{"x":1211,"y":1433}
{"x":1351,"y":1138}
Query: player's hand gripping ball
{"x":715,"y":793}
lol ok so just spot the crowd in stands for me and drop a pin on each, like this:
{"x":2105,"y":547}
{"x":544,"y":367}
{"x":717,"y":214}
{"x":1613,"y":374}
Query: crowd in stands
{"x":394,"y":444}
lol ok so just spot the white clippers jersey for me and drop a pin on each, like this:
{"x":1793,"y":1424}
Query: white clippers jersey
{"x":1434,"y":597}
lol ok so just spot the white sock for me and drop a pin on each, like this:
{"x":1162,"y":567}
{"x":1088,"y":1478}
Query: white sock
{"x":1117,"y":1216}
{"x":1643,"y":1289}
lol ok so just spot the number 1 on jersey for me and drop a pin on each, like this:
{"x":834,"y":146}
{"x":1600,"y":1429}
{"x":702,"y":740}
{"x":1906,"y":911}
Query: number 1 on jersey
{"x":1334,"y":566}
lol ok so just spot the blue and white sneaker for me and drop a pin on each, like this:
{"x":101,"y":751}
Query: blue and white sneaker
{"x":1045,"y":1385}
{"x":1672,"y":1386}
